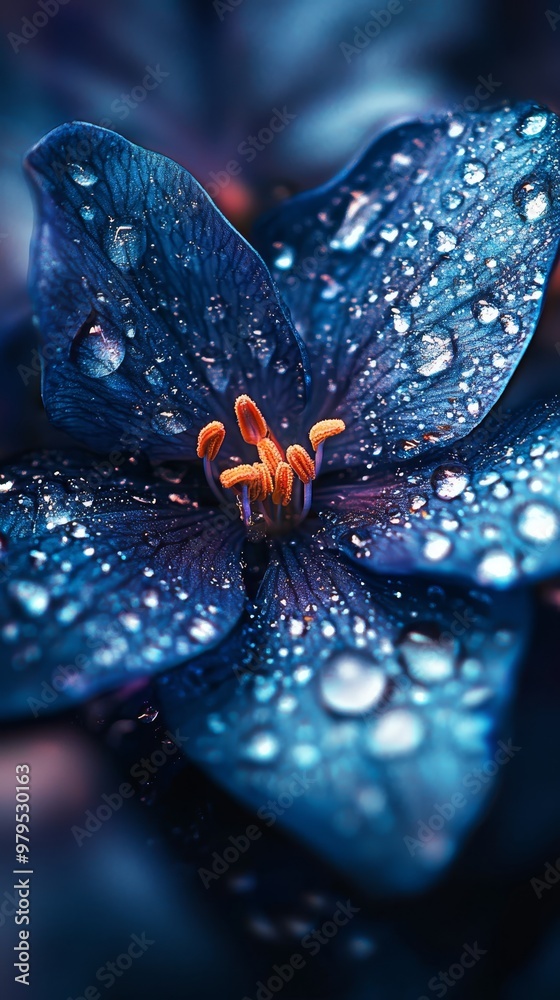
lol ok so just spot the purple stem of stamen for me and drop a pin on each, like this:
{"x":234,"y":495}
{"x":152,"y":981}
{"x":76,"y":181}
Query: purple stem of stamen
{"x":319,"y":457}
{"x":245,"y":505}
{"x":307,"y":494}
{"x":209,"y":473}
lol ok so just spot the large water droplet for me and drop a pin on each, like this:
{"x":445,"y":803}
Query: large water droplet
{"x":537,"y":522}
{"x":396,"y":733}
{"x":449,"y":481}
{"x":170,"y":422}
{"x":82,"y":175}
{"x":531,"y":198}
{"x":125,"y":243}
{"x":532,"y":124}
{"x":261,"y":747}
{"x":452,"y":200}
{"x":351,"y":684}
{"x":496,"y":567}
{"x":98,"y":347}
{"x":445,"y":241}
{"x":32,"y":597}
{"x":428,"y":655}
{"x":485,"y":312}
{"x":473,"y":172}
{"x":432,"y":354}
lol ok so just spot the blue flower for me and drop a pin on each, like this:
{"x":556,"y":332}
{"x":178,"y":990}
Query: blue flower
{"x":308,"y":492}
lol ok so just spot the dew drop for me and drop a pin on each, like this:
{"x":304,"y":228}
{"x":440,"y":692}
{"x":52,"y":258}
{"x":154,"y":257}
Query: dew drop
{"x":32,"y":597}
{"x":496,"y":567}
{"x":510,"y":324}
{"x":445,"y":241}
{"x":351,"y":684}
{"x":485,"y":312}
{"x":82,"y":175}
{"x":473,"y":172}
{"x":432,"y":354}
{"x":169,"y":422}
{"x":261,"y":747}
{"x":449,"y":481}
{"x":125,"y":243}
{"x":427,"y":655}
{"x":452,"y":200}
{"x":396,"y":733}
{"x":531,"y":199}
{"x":284,"y":257}
{"x":532,"y":124}
{"x":436,"y":546}
{"x":98,"y":348}
{"x":389,"y":232}
{"x":537,"y":522}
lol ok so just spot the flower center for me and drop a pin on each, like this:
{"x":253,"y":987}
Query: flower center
{"x":277,"y":488}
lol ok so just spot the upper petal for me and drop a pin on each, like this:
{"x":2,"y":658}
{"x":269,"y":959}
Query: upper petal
{"x":104,"y":579}
{"x":155,"y":313}
{"x":358,"y":705}
{"x":487,"y":509}
{"x":416,"y":277}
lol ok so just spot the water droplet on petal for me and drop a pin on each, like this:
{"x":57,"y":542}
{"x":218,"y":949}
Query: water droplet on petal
{"x":284,"y":257}
{"x":351,"y":684}
{"x":445,"y":241}
{"x":531,"y":198}
{"x":532,"y":123}
{"x":396,"y":733}
{"x":125,"y":243}
{"x":537,"y":522}
{"x":32,"y":597}
{"x":82,"y":175}
{"x":473,"y":172}
{"x":485,"y":312}
{"x":436,"y":546}
{"x":428,"y":656}
{"x":449,"y":481}
{"x":261,"y":747}
{"x":510,"y":324}
{"x":432,"y":354}
{"x":452,"y":200}
{"x":170,"y":422}
{"x":496,"y":567}
{"x":389,"y":232}
{"x":98,"y":347}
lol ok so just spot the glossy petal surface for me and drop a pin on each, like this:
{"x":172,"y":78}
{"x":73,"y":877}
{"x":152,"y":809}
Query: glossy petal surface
{"x":416,"y":278}
{"x":357,"y":705}
{"x":105,"y":580}
{"x":155,"y":313}
{"x":488,"y":509}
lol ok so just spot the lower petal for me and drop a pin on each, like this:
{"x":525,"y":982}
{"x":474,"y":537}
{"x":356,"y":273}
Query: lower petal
{"x":358,"y":710}
{"x":105,"y":579}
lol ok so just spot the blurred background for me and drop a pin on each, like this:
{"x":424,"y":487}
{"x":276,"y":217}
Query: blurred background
{"x":195,"y":81}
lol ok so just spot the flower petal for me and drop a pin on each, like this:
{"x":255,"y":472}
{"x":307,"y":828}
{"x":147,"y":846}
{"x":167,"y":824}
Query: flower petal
{"x":105,"y":579}
{"x":155,"y":312}
{"x":487,"y":509}
{"x":358,"y":706}
{"x":416,"y":277}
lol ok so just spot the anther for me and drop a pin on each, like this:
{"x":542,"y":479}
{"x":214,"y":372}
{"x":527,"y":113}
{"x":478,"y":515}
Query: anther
{"x":283,"y":484}
{"x":239,"y":475}
{"x":325,"y":429}
{"x":261,"y":486}
{"x":250,"y":419}
{"x":269,"y":454}
{"x":210,"y":440}
{"x":302,"y":463}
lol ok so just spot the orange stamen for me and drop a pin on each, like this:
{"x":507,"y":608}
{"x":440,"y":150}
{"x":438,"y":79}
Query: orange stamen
{"x":269,"y":454}
{"x":325,"y":429}
{"x":250,"y":419}
{"x":283,"y":484}
{"x":210,"y":440}
{"x":302,"y":463}
{"x":240,"y":475}
{"x":262,"y":484}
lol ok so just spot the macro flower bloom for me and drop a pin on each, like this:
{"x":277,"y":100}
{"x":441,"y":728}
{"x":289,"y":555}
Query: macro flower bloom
{"x":310,"y":500}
